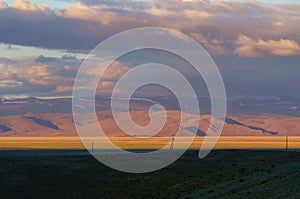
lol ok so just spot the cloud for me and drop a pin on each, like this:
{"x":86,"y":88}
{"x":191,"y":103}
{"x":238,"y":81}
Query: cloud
{"x":63,"y":89}
{"x":213,"y":45}
{"x":44,"y":75}
{"x":34,"y":71}
{"x":87,"y":13}
{"x":4,"y":75}
{"x":197,"y":14}
{"x":52,"y":75}
{"x":43,"y":59}
{"x":248,"y":47}
{"x":65,"y":59}
{"x":28,"y":6}
{"x":9,"y":84}
{"x":3,"y":5}
{"x":115,"y":71}
{"x":107,"y":85}
{"x":215,"y":24}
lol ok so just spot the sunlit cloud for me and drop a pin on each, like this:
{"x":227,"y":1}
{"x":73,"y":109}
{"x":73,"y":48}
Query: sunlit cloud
{"x":10,"y":84}
{"x":41,"y":75}
{"x":28,"y":6}
{"x":81,"y":11}
{"x":215,"y":24}
{"x":3,"y":5}
{"x":257,"y":48}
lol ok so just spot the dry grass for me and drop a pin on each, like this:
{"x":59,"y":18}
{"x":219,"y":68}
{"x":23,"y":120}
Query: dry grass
{"x":224,"y":142}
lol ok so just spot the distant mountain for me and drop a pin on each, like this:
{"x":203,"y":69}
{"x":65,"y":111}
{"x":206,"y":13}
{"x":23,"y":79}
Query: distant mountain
{"x":279,"y":106}
{"x":53,"y":116}
{"x":22,"y":106}
{"x":61,"y":124}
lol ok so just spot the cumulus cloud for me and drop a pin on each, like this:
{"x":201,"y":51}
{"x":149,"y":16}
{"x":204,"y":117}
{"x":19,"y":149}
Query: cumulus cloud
{"x":3,"y":5}
{"x":87,"y":13}
{"x":248,"y":47}
{"x":31,"y":72}
{"x":48,"y":75}
{"x":29,"y":6}
{"x":43,"y":74}
{"x":213,"y":45}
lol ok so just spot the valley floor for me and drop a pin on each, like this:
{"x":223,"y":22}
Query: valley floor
{"x":224,"y":142}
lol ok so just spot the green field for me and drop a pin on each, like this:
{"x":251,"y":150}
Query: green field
{"x":222,"y":174}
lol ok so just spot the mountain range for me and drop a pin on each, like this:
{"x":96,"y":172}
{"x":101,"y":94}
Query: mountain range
{"x":61,"y":124}
{"x":53,"y":117}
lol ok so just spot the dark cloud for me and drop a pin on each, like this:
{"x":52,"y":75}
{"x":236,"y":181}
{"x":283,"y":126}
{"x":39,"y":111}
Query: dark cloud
{"x":251,"y":77}
{"x":44,"y":30}
{"x":65,"y":59}
{"x":44,"y":59}
{"x":218,"y":25}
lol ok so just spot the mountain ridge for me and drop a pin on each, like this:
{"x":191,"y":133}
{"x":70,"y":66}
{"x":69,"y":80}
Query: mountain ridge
{"x":62,"y":124}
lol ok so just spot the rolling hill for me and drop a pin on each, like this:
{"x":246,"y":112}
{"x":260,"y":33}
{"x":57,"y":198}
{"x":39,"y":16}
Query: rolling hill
{"x":61,"y":124}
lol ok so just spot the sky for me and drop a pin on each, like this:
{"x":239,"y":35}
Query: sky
{"x":255,"y":44}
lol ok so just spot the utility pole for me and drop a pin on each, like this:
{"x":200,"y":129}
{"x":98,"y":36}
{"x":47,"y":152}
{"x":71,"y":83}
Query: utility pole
{"x":286,"y":143}
{"x":92,"y":147}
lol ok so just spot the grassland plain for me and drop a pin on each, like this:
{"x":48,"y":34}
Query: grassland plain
{"x":222,"y":174}
{"x":224,"y":142}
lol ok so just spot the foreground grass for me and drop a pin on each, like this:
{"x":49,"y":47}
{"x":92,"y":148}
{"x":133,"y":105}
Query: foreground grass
{"x":223,"y":174}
